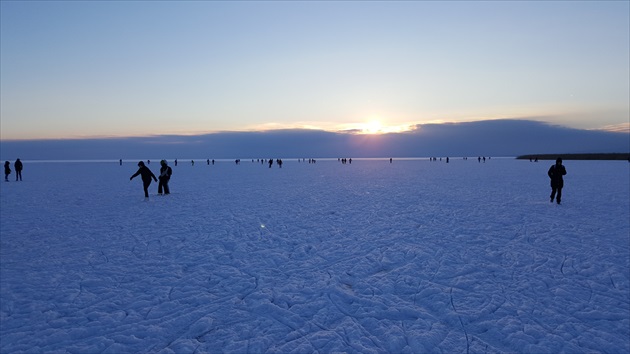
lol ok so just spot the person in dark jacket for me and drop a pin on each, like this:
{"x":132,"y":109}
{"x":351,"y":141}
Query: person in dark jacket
{"x":555,"y":173}
{"x":165,"y":176}
{"x":18,"y":169}
{"x":146,"y":175}
{"x":7,"y":171}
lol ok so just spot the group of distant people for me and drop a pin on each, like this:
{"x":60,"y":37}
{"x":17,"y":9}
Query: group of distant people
{"x":555,"y":173}
{"x":18,"y":170}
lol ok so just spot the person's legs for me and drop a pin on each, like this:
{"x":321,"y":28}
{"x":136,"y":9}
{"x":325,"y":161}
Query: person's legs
{"x":553,"y":193}
{"x":160,"y":184}
{"x":559,"y":196}
{"x":167,"y":190}
{"x":145,"y":185}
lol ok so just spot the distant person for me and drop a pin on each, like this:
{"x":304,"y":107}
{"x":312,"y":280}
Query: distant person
{"x":192,"y":162}
{"x":146,"y":175}
{"x":18,"y":169}
{"x":7,"y":171}
{"x":390,"y":160}
{"x":270,"y":162}
{"x":120,"y":162}
{"x":165,"y":175}
{"x":175,"y":162}
{"x":555,"y":173}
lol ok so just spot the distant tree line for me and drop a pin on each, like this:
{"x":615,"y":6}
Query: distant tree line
{"x":603,"y":156}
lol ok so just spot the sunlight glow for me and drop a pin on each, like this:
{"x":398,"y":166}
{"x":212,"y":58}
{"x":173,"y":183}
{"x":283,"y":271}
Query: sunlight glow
{"x":373,"y":127}
{"x":376,"y":127}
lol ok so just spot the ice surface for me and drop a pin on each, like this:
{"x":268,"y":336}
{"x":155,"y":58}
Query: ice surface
{"x":369,"y":257}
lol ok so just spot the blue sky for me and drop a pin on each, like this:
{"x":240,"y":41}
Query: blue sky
{"x":93,"y":69}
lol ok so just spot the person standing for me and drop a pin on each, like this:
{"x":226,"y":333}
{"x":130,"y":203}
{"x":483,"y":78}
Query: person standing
{"x":555,"y":173}
{"x":7,"y":171}
{"x":146,"y":175}
{"x":18,"y":169}
{"x":165,"y":176}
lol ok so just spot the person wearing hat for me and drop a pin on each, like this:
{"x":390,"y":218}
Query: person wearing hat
{"x":165,"y":176}
{"x":555,"y":173}
{"x":146,"y":175}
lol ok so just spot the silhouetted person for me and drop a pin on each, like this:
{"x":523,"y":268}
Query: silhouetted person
{"x":120,"y":162}
{"x":146,"y":175}
{"x":390,"y":160}
{"x":165,"y":175}
{"x":7,"y":171}
{"x":18,"y":169}
{"x":175,"y":162}
{"x":555,"y":173}
{"x":270,"y":162}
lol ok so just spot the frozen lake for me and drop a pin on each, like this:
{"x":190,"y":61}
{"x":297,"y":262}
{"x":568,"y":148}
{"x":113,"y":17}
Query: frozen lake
{"x":370,"y":257}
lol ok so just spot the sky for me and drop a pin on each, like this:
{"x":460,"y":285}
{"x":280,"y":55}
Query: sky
{"x":114,"y":69}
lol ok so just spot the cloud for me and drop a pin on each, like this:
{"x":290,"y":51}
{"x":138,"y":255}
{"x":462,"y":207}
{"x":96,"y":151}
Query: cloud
{"x":622,"y":128}
{"x":506,"y":137}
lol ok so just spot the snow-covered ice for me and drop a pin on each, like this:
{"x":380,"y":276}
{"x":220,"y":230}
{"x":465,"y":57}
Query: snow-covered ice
{"x":369,"y":257}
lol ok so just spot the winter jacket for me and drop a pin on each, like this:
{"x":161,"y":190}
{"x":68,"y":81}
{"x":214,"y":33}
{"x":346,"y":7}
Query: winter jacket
{"x":145,"y":173}
{"x":166,"y":172}
{"x":555,"y":173}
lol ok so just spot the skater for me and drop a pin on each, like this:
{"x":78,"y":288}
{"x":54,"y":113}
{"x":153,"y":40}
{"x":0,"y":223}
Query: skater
{"x":7,"y":171}
{"x":146,"y":175}
{"x":165,"y":176}
{"x":18,"y":169}
{"x":555,"y":173}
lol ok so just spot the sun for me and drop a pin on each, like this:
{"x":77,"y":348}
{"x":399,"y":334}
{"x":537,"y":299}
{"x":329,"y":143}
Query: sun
{"x":373,"y":127}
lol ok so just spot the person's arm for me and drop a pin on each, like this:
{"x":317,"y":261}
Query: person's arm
{"x":134,"y":175}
